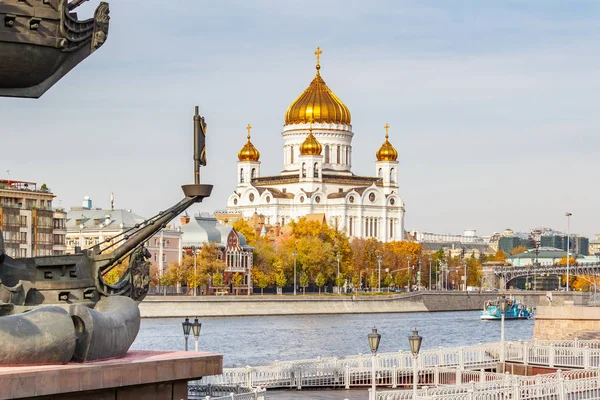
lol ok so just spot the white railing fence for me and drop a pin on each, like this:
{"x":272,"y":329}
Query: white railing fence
{"x":214,"y":392}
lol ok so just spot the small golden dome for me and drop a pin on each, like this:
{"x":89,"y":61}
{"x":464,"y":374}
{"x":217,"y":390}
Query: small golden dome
{"x":248,"y":152}
{"x":387,"y":152}
{"x":318,"y":103}
{"x":311,"y":146}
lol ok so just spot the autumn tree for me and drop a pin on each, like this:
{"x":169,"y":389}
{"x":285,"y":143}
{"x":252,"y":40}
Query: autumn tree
{"x":115,"y":274}
{"x":243,"y":227}
{"x":262,"y":280}
{"x":500,"y":256}
{"x":320,"y":281}
{"x":217,"y":279}
{"x":387,"y":281}
{"x":304,"y":280}
{"x":236,"y":281}
{"x":518,"y":250}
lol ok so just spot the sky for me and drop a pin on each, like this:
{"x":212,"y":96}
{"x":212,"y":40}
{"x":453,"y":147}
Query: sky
{"x":492,"y":104}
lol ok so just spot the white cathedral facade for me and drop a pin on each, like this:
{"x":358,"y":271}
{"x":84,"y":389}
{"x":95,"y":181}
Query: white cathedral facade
{"x":317,"y":176}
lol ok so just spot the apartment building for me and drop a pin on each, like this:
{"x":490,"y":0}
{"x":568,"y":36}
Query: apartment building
{"x":29,"y":224}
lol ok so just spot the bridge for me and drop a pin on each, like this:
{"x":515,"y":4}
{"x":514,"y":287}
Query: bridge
{"x":507,"y":273}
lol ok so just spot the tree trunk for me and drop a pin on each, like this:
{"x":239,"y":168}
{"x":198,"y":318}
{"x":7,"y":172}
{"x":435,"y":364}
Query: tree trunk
{"x":319,"y":290}
{"x":262,"y":291}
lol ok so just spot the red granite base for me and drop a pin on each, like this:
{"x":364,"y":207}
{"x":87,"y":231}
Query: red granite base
{"x":139,"y":375}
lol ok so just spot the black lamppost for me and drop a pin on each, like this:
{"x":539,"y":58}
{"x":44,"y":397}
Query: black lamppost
{"x":374,"y":339}
{"x":414,"y":341}
{"x":187,"y":327}
{"x":196,"y":331}
{"x":294,"y":254}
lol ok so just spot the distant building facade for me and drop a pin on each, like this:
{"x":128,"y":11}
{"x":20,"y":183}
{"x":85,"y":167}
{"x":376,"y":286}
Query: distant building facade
{"x":466,"y":245}
{"x":234,"y":251}
{"x":87,"y":226}
{"x":29,"y":224}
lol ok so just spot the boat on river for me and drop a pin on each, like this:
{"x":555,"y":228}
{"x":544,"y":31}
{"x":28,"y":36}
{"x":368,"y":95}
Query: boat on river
{"x":514,"y":310}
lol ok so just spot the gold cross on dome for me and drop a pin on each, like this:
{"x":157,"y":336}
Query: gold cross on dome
{"x":318,"y":54}
{"x":249,"y":127}
{"x":387,"y":128}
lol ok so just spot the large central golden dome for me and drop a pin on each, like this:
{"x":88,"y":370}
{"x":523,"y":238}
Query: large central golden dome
{"x":317,"y":104}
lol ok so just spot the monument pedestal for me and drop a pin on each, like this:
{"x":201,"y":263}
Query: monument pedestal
{"x":151,"y":375}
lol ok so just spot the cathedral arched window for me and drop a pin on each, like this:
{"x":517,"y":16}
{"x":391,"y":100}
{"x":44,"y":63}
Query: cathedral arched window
{"x":241,"y":175}
{"x":303,"y":170}
{"x":253,"y":173}
{"x":316,"y":171}
{"x":291,"y":154}
{"x":392,"y":175}
{"x":326,"y":154}
{"x":337,"y":158}
{"x":350,"y":226}
{"x":379,"y":173}
{"x":391,"y":228}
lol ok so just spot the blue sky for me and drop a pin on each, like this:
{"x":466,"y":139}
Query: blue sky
{"x":492,"y":105}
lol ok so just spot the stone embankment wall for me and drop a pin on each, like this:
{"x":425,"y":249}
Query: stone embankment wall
{"x":567,"y":322}
{"x":232,"y":306}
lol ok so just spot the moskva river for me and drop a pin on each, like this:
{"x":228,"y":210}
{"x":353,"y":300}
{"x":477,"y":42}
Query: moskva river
{"x":261,"y":340}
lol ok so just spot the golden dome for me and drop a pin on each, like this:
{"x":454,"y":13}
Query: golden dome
{"x":248,"y":152}
{"x":311,"y":146}
{"x":318,"y":103}
{"x":387,"y":152}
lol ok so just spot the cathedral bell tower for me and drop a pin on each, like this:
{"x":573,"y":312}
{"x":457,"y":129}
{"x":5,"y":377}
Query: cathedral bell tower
{"x":248,"y":164}
{"x":387,"y":164}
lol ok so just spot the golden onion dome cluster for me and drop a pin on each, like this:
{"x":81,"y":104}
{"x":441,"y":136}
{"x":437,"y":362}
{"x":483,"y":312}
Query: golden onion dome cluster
{"x":248,"y":152}
{"x":387,"y":152}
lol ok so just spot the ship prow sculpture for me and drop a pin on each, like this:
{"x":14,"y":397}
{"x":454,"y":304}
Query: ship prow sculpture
{"x":56,"y":309}
{"x":42,"y":40}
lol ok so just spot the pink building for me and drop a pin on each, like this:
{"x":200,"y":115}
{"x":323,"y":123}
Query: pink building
{"x":165,"y":248}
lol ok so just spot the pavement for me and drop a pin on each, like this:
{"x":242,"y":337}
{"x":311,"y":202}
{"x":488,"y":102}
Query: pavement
{"x":317,"y":394}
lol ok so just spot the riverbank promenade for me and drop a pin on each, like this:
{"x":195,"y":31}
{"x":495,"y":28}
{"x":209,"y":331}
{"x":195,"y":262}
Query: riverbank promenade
{"x":257,"y":305}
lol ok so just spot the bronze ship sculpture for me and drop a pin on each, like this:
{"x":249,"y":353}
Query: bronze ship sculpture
{"x":42,"y":40}
{"x":56,"y":309}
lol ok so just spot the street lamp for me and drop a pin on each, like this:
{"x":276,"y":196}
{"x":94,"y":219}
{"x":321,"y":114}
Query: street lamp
{"x":502,"y":312}
{"x":414,"y":341}
{"x":374,"y":339}
{"x":187,"y":326}
{"x":294,"y":254}
{"x":408,"y":274}
{"x":195,"y":277}
{"x":337,"y":280}
{"x":196,"y":331}
{"x":379,"y":272}
{"x":429,"y":281}
{"x":568,"y":215}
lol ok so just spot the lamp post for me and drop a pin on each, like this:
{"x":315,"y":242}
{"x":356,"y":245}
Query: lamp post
{"x":196,"y":331}
{"x":568,"y":215}
{"x":408,"y":274}
{"x":429,"y":281}
{"x":502,"y":312}
{"x":295,"y":254}
{"x":465,"y":262}
{"x":187,"y":326}
{"x":379,"y":272}
{"x":414,"y":341}
{"x":337,"y":280}
{"x":195,"y":276}
{"x":374,"y":339}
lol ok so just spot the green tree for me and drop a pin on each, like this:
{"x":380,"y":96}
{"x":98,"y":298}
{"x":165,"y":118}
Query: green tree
{"x":320,"y":281}
{"x":339,"y":282}
{"x":217,"y":279}
{"x":236,"y":281}
{"x":304,"y":280}
{"x":373,"y":281}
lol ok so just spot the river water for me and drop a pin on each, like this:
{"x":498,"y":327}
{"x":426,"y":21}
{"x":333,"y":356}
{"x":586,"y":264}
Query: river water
{"x":261,"y":340}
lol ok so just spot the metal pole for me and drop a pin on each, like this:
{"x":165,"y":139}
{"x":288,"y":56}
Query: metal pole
{"x":415,"y":376}
{"x":337,"y":283}
{"x":568,"y":245}
{"x":429,"y":282}
{"x":379,"y":274}
{"x":373,"y":385}
{"x":465,"y":276}
{"x":502,"y":338}
{"x":408,"y":274}
{"x":195,"y":277}
{"x":186,"y":343}
{"x":195,"y":343}
{"x":294,"y":275}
